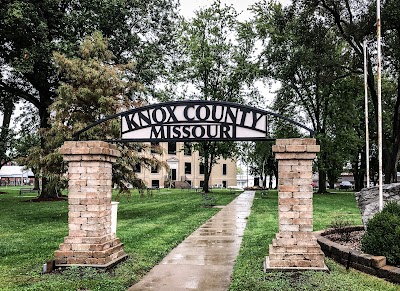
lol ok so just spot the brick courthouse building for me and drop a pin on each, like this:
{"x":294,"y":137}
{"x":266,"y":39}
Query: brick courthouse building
{"x":185,"y":168}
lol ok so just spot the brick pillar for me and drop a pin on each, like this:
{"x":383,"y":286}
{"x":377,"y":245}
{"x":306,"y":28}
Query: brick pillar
{"x":90,"y":241}
{"x":295,"y":247}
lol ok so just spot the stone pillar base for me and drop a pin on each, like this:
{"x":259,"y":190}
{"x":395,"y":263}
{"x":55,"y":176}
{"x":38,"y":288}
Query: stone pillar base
{"x":90,"y":251}
{"x":295,"y":251}
{"x":268,"y":268}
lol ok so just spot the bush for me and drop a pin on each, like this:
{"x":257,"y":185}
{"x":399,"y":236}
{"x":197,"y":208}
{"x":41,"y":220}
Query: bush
{"x":383,"y":234}
{"x":340,"y":224}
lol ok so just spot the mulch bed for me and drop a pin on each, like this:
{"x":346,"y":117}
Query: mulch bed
{"x":351,"y":239}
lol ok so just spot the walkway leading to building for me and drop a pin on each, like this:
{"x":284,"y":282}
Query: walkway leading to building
{"x":205,"y":259}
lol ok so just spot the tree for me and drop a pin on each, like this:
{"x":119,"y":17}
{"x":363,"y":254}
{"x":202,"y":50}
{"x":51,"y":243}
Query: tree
{"x":7,"y":135}
{"x":354,"y":22}
{"x":31,"y":30}
{"x":302,"y":52}
{"x":216,"y":63}
{"x":262,"y":161}
{"x":93,"y":86}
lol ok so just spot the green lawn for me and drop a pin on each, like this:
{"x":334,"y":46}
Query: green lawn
{"x":150,"y":227}
{"x":261,"y":228}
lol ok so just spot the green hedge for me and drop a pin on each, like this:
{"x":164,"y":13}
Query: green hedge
{"x":383,"y":234}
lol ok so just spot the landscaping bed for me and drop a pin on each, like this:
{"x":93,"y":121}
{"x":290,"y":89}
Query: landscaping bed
{"x":352,"y":239}
{"x":345,"y":248}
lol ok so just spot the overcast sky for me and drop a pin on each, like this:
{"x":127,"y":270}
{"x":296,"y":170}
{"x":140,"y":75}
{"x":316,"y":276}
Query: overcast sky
{"x":189,"y":6}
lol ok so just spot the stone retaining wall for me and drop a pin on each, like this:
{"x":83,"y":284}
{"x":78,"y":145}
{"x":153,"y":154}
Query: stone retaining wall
{"x":373,"y":265}
{"x":368,"y":199}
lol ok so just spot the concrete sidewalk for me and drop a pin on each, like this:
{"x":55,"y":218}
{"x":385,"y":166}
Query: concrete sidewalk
{"x":205,"y":259}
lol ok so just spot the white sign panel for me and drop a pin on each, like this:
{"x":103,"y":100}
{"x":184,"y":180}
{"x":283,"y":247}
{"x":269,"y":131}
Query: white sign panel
{"x":202,"y":120}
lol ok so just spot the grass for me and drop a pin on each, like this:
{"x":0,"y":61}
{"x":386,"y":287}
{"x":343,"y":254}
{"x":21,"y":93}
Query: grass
{"x":149,"y":227}
{"x":261,"y":228}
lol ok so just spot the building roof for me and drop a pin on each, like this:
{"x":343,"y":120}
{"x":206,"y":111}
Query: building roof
{"x":15,"y":172}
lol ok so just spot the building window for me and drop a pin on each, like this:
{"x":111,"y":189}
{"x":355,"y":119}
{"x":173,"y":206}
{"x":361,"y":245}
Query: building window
{"x":188,"y":168}
{"x":155,"y":183}
{"x":137,"y":168}
{"x":201,"y":184}
{"x":201,"y":169}
{"x":172,"y":148}
{"x":224,"y":184}
{"x":223,"y":169}
{"x":187,"y":148}
{"x":155,"y":147}
{"x":154,"y":169}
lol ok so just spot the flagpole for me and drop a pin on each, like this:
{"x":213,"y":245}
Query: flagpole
{"x":366,"y":111}
{"x":378,"y":26}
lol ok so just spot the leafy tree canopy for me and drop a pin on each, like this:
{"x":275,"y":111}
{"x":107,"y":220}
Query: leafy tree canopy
{"x":314,"y":66}
{"x":216,"y":61}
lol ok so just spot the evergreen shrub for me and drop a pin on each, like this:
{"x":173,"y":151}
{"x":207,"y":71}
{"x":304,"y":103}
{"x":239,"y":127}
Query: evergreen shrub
{"x":383,"y":234}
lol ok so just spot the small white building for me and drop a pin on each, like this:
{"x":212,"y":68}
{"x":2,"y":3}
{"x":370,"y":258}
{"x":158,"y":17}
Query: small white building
{"x":244,"y":180}
{"x":16,"y":176}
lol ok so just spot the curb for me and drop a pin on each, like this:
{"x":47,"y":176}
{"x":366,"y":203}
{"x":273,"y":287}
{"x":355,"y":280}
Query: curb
{"x":373,"y":265}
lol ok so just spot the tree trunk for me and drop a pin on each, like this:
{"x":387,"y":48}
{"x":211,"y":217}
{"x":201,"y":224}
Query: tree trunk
{"x":206,"y":167}
{"x":359,"y":181}
{"x":321,"y":181}
{"x":322,"y":174}
{"x":358,"y":169}
{"x":48,"y":190}
{"x":390,"y":170}
{"x":4,"y":133}
{"x":394,"y":154}
{"x":206,"y":188}
{"x":8,"y":110}
{"x":356,"y":175}
{"x":332,"y":178}
{"x":36,"y":185}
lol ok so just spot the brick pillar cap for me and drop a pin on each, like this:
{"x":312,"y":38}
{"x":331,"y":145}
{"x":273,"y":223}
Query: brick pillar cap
{"x":89,"y":148}
{"x":299,"y":146}
{"x":296,"y":141}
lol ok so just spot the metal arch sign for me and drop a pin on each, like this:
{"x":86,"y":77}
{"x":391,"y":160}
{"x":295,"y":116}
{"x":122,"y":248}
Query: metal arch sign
{"x":194,"y":120}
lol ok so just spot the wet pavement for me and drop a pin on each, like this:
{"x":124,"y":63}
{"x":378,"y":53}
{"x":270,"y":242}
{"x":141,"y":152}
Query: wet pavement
{"x":205,"y":259}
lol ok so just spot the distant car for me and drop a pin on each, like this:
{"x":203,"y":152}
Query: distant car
{"x":345,"y":185}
